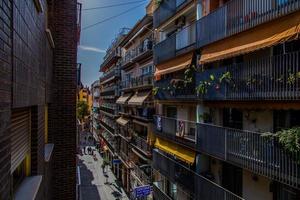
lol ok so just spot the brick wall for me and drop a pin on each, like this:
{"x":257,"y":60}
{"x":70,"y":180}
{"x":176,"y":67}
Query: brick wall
{"x":62,"y":111}
{"x":5,"y":95}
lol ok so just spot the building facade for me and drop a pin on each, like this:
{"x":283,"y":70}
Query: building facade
{"x":226,"y":73}
{"x":37,"y":65}
{"x":95,"y":122}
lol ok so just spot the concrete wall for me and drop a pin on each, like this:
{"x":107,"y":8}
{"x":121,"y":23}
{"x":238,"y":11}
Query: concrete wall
{"x":258,"y":190}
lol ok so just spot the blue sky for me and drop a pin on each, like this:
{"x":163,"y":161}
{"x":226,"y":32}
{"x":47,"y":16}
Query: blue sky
{"x":94,"y":41}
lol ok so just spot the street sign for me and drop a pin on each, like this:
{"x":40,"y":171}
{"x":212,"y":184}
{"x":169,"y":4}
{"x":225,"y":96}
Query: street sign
{"x":142,"y":191}
{"x":116,"y":161}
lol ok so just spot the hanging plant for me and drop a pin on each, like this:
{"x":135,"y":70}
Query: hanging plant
{"x":189,"y":75}
{"x":158,"y":2}
{"x":226,"y":77}
{"x":288,"y":138}
{"x":202,"y":88}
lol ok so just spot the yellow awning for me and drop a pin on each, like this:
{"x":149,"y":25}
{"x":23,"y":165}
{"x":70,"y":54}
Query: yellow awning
{"x":122,"y":121}
{"x":139,"y":98}
{"x":122,"y":99}
{"x":265,"y":35}
{"x":181,"y":153}
{"x":173,"y":65}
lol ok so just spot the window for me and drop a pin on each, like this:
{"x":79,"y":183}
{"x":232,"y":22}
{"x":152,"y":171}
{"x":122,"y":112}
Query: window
{"x":147,"y":70}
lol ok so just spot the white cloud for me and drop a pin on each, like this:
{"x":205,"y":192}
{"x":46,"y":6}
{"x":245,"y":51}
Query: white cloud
{"x":94,"y":49}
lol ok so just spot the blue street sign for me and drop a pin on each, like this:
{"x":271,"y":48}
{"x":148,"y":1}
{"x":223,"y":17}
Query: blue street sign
{"x":142,"y":191}
{"x":116,"y":161}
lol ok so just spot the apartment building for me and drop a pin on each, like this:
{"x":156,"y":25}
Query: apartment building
{"x":37,"y":98}
{"x":219,"y":88}
{"x":136,"y":104}
{"x":109,"y":93}
{"x":95,"y":125}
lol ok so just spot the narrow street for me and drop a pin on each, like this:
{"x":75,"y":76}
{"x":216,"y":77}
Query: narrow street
{"x":94,"y":184}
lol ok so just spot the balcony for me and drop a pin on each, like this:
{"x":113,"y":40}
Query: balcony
{"x":179,"y":131}
{"x":109,"y":128}
{"x":138,"y":82}
{"x":158,"y":192}
{"x":141,"y":144}
{"x":79,"y":10}
{"x":239,"y":15}
{"x":251,"y":151}
{"x":166,"y":10}
{"x":110,"y":140}
{"x":109,"y":89}
{"x":197,"y":185}
{"x":110,"y":76}
{"x":167,"y":91}
{"x":268,"y":78}
{"x":141,"y":175}
{"x":125,"y":157}
{"x":111,"y":57}
{"x":178,"y":43}
{"x":124,"y":133}
{"x":143,"y":50}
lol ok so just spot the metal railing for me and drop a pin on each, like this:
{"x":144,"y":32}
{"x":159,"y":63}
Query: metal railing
{"x":106,"y":76}
{"x":165,"y":50}
{"x":110,"y":128}
{"x":176,"y":127}
{"x":167,"y":92}
{"x":142,"y":176}
{"x":141,"y":143}
{"x":186,"y":37}
{"x":251,"y":151}
{"x":240,"y":15}
{"x":109,"y":88}
{"x":140,"y":81}
{"x":135,"y":53}
{"x":268,"y":78}
{"x":199,"y":186}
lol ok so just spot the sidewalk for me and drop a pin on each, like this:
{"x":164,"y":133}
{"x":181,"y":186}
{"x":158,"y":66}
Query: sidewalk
{"x":93,"y":186}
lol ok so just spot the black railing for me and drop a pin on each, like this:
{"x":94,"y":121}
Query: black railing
{"x":110,"y":111}
{"x":134,"y":54}
{"x":159,"y":194}
{"x":251,"y":151}
{"x":109,"y":128}
{"x":167,"y":9}
{"x":178,"y":41}
{"x":181,"y":131}
{"x":270,"y":78}
{"x":140,"y":81}
{"x":166,"y":91}
{"x":239,"y":15}
{"x":111,"y":55}
{"x":199,"y":186}
{"x":106,"y":76}
{"x":141,"y":175}
{"x":141,"y":144}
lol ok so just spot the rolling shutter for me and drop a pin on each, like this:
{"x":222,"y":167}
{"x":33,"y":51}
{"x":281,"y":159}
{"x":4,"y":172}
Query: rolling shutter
{"x":20,"y":136}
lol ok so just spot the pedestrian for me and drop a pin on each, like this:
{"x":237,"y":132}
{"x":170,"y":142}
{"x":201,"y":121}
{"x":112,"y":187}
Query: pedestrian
{"x":84,"y":150}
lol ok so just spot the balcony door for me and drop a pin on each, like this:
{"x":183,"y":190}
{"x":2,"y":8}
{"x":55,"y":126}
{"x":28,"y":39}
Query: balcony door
{"x":232,"y":178}
{"x":171,"y":112}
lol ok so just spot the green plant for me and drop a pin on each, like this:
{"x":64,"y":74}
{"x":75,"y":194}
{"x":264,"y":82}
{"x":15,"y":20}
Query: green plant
{"x":226,"y":77}
{"x":189,"y":75}
{"x":158,"y":2}
{"x":82,"y":110}
{"x":202,"y":88}
{"x":288,"y":138}
{"x":155,"y":91}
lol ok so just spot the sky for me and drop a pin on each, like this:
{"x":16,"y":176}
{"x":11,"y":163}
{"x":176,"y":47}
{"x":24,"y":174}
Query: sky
{"x":94,"y":41}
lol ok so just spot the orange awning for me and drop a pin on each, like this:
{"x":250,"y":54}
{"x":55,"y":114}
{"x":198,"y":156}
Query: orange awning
{"x":265,"y":35}
{"x":174,"y":65}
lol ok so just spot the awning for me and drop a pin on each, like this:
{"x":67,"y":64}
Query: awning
{"x":139,"y":98}
{"x":181,"y":153}
{"x":266,"y":35}
{"x":122,"y":121}
{"x":122,"y":99}
{"x":173,"y":65}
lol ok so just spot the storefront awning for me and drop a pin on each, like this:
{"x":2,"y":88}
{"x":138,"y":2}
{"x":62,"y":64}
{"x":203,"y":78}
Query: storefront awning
{"x":139,"y":98}
{"x":266,"y":35}
{"x":122,"y":99}
{"x":173,"y":65}
{"x":181,"y":153}
{"x":122,"y":121}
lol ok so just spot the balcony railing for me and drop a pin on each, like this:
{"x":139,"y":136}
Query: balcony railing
{"x":109,"y":88}
{"x":106,"y":76}
{"x":141,"y":144}
{"x":251,"y":151}
{"x":142,"y":176}
{"x":167,"y":9}
{"x":199,"y":186}
{"x":125,"y":157}
{"x":109,"y":111}
{"x":124,"y":132}
{"x":270,"y":78}
{"x":240,"y":15}
{"x":178,"y":130}
{"x":110,"y":128}
{"x":167,"y":92}
{"x":134,"y":54}
{"x":140,"y":81}
{"x":110,"y":140}
{"x":175,"y":44}
{"x":159,"y":194}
